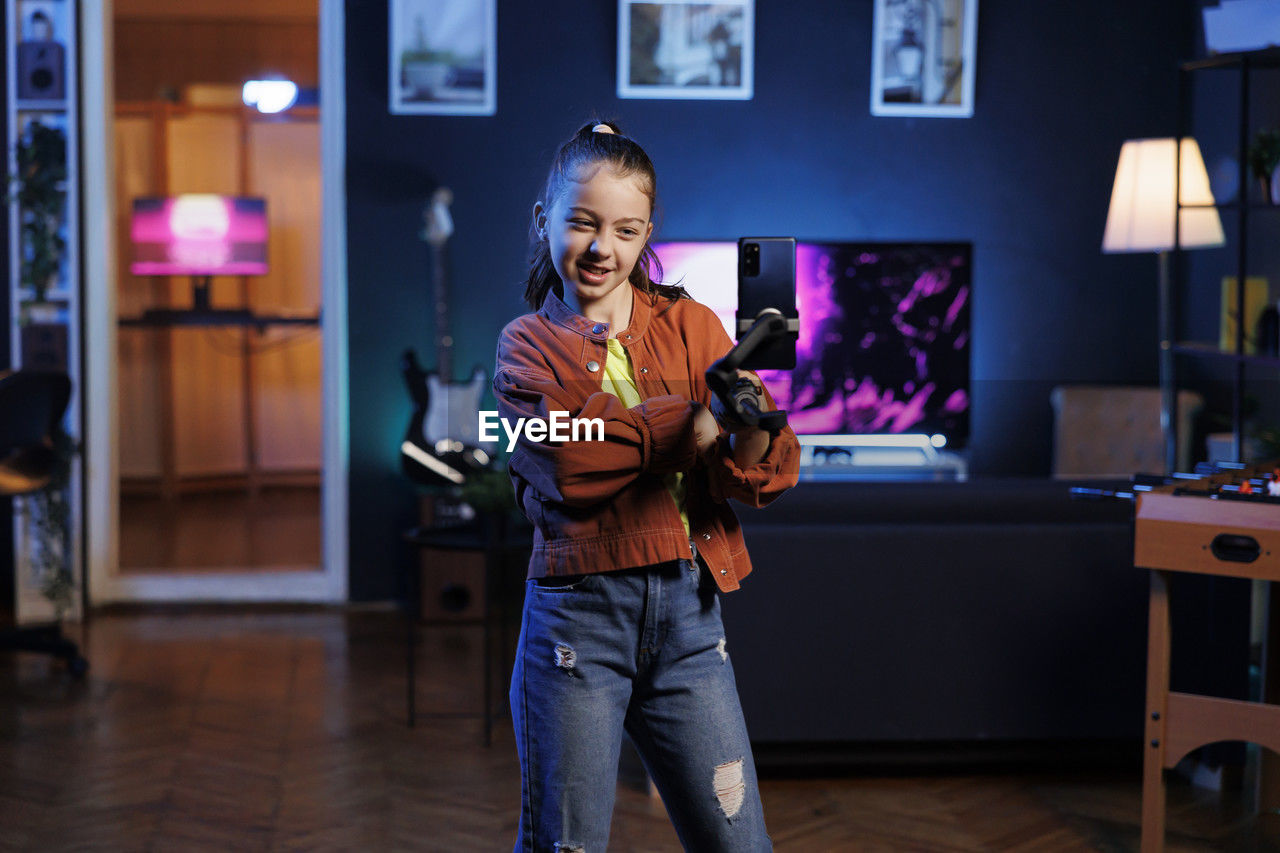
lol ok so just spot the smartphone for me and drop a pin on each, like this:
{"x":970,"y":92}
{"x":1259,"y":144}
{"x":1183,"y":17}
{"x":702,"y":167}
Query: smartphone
{"x":767,"y":279}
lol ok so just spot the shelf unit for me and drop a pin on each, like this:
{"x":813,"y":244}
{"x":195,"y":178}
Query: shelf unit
{"x":41,"y":55}
{"x":1243,"y":64}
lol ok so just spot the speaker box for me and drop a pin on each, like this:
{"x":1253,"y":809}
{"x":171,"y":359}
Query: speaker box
{"x":452,"y":585}
{"x":40,"y":71}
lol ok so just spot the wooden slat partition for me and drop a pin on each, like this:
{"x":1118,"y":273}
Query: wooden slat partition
{"x":194,"y":408}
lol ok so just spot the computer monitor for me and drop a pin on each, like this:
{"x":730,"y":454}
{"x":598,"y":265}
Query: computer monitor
{"x":884,"y":341}
{"x":199,"y":235}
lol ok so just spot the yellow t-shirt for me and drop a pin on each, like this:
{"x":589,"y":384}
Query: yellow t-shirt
{"x":620,"y":381}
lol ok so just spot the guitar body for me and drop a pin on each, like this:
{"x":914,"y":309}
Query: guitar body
{"x":441,"y":445}
{"x":453,"y":410}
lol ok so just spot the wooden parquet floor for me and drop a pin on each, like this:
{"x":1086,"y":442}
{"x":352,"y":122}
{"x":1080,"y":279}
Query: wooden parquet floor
{"x":277,"y":528}
{"x":229,"y":730}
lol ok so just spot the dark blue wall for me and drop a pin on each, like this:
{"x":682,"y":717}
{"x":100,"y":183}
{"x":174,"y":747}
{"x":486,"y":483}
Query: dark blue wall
{"x":1059,"y":87}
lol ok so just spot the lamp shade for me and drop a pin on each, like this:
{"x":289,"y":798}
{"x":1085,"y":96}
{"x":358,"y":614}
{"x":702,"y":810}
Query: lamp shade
{"x":1142,"y":211}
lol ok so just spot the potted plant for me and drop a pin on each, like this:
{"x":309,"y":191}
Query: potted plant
{"x":41,"y":194}
{"x":1265,"y":443}
{"x":40,"y":190}
{"x":1264,"y":157}
{"x":1260,"y":438}
{"x":48,"y":522}
{"x":489,"y":492}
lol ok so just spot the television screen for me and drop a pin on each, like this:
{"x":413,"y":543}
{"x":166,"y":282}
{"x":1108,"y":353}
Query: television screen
{"x":199,"y":235}
{"x":884,"y":333}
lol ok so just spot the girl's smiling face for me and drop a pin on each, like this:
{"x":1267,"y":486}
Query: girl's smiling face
{"x":596,"y":230}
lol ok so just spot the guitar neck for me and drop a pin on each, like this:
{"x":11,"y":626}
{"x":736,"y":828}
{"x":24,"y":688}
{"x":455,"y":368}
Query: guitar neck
{"x":438,"y":230}
{"x":444,"y":341}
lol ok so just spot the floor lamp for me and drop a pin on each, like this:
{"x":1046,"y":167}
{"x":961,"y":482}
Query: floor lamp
{"x":1141,"y":219}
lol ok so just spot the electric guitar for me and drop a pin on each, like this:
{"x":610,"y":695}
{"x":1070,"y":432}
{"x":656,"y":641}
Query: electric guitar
{"x":441,"y":445}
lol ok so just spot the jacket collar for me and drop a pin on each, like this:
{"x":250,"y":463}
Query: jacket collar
{"x":554,"y":309}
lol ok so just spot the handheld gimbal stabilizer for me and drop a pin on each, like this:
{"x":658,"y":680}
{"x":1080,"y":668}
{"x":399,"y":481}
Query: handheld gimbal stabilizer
{"x":737,"y":394}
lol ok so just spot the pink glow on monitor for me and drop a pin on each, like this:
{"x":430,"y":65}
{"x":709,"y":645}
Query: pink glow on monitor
{"x":199,"y":234}
{"x":709,"y":271}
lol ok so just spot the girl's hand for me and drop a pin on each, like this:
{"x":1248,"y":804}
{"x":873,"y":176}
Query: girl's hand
{"x":705,"y":428}
{"x":755,"y":380}
{"x":750,"y":443}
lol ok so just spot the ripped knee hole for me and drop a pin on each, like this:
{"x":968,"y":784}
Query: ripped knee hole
{"x":730,"y":786}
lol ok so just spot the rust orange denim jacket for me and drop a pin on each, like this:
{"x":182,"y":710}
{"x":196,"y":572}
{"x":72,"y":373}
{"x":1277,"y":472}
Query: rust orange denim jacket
{"x":598,"y":506}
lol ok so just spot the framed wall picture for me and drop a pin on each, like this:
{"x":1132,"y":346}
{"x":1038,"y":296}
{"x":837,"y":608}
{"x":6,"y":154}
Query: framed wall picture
{"x":442,"y":57}
{"x":922,"y":57}
{"x":678,"y":49}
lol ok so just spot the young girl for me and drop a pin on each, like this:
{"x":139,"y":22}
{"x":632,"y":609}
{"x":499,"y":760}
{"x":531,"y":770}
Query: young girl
{"x":632,"y":533}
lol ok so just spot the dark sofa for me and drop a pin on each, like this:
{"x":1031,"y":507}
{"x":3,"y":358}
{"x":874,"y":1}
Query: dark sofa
{"x":939,"y":612}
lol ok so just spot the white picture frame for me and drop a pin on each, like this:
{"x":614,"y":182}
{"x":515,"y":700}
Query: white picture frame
{"x":683,"y":49}
{"x":442,"y":57}
{"x":923,"y":54}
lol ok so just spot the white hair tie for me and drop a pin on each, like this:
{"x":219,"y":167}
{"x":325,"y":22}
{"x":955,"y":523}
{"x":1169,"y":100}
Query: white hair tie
{"x":602,"y":128}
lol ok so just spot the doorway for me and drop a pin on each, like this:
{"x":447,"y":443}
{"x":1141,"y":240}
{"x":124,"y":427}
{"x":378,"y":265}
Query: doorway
{"x":225,"y":403}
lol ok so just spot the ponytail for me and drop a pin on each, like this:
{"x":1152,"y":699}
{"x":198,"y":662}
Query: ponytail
{"x":584,"y":149}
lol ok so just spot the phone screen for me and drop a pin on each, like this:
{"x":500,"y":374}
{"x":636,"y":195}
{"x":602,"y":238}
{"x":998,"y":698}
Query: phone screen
{"x":767,"y":279}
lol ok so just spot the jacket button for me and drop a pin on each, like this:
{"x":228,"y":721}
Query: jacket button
{"x":593,"y":366}
{"x":706,"y":536}
{"x":597,"y":328}
{"x":724,"y":571}
{"x":643,"y":369}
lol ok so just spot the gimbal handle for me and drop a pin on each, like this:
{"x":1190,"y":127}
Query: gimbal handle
{"x":737,"y":394}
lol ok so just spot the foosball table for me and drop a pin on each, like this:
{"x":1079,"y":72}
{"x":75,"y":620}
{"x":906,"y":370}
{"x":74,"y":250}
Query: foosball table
{"x":1223,"y":520}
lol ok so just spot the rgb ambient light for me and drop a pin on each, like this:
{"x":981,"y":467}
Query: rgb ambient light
{"x":269,"y":96}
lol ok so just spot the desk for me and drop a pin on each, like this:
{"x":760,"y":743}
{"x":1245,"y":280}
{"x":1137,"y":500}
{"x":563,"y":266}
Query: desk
{"x":160,"y":339}
{"x":1215,"y":537}
{"x":496,"y":541}
{"x":164,"y":318}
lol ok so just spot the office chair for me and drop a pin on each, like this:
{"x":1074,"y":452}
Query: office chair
{"x":32,"y":403}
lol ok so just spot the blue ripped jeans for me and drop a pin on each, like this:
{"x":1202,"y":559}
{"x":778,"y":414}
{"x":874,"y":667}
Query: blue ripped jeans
{"x":641,"y":650}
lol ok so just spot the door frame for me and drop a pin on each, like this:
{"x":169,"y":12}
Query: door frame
{"x":101,"y":414}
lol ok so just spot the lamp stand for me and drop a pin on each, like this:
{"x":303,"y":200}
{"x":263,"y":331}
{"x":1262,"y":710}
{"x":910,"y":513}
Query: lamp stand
{"x":1168,"y":396}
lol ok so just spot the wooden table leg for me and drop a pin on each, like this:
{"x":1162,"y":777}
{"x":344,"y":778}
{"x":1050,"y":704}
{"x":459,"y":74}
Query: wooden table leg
{"x":1269,"y":763}
{"x":1153,"y":785}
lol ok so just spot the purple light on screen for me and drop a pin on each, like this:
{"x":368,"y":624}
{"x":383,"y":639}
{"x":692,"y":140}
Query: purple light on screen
{"x":957,"y":402}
